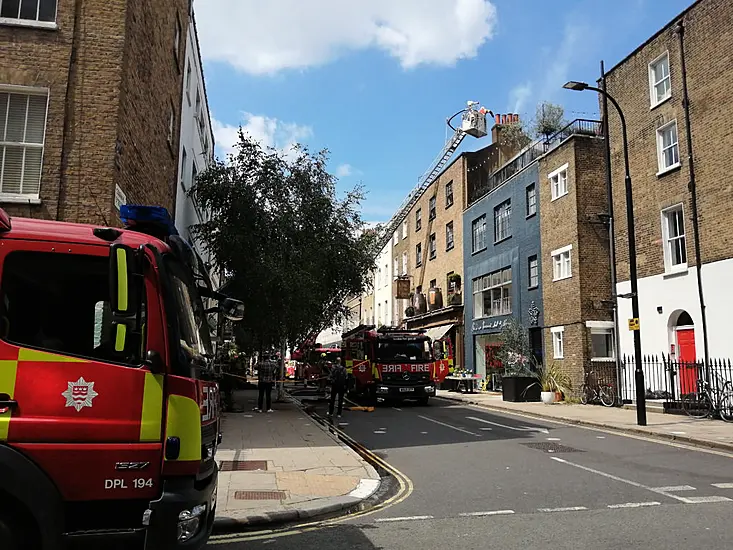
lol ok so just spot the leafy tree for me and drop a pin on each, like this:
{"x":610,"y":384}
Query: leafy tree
{"x":515,"y":352}
{"x":291,"y":249}
{"x":549,"y":118}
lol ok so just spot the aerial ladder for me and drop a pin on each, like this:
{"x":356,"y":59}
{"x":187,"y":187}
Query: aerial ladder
{"x":473,"y":123}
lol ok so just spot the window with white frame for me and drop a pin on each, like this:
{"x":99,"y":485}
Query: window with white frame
{"x":176,"y":38}
{"x":502,"y":218}
{"x":449,"y":194}
{"x":404,"y":228}
{"x":431,"y":207}
{"x":559,"y":182}
{"x":395,"y":238}
{"x":189,"y":72}
{"x":38,"y":11}
{"x":533,"y":268}
{"x":418,"y":219}
{"x":668,"y":150}
{"x":184,"y":167}
{"x":171,"y":123}
{"x":562,"y":263}
{"x":396,"y":271}
{"x":660,"y":84}
{"x":404,"y":263}
{"x":558,"y":344}
{"x":673,"y":235}
{"x":478,"y":229}
{"x":601,"y":339}
{"x":22,"y":135}
{"x":449,"y":236}
{"x":418,"y":255}
{"x":531,"y":200}
{"x":433,"y":246}
{"x":492,"y":294}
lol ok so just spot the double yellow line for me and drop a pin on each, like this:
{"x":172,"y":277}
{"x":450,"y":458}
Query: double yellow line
{"x":406,"y":488}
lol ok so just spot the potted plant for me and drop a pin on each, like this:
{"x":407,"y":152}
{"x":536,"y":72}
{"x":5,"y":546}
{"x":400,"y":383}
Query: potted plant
{"x":409,"y":311}
{"x":519,"y":380}
{"x":554,"y":382}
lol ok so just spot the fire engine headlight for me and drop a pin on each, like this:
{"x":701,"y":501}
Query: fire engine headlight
{"x":189,"y":522}
{"x":382,"y":389}
{"x":429,"y":389}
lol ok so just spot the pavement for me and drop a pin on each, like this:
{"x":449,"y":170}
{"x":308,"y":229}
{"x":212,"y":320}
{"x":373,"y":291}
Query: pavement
{"x":704,"y":432}
{"x":483,"y":478}
{"x":282,"y":466}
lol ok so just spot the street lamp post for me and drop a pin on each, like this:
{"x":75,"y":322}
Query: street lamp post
{"x":633,"y":275}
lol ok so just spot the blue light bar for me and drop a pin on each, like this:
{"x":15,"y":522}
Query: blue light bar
{"x":135,"y":215}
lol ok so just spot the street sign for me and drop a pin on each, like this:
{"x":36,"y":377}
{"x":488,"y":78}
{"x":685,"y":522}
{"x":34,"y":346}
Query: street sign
{"x":634,"y":324}
{"x":403,"y":289}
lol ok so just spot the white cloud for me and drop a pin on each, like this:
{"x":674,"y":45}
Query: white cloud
{"x":269,"y":132}
{"x":344,"y":170}
{"x":518,"y":97}
{"x":261,"y":37}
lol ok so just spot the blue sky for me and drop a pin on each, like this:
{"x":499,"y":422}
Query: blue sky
{"x":374,"y":80}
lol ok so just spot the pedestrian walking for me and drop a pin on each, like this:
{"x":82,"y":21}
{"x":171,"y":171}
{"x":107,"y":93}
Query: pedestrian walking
{"x":339,"y":379}
{"x":265,"y":379}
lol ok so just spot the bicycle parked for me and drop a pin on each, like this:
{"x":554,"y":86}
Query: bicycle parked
{"x":594,"y":391}
{"x":708,"y":400}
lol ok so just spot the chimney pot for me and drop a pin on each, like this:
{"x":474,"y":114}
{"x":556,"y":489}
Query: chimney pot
{"x":516,"y":117}
{"x":503,"y":119}
{"x":497,"y":119}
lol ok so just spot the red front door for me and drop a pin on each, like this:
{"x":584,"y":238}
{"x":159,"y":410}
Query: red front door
{"x":687,"y":357}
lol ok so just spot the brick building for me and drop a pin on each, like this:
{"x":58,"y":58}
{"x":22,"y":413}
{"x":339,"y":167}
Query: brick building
{"x":575,"y":262}
{"x":649,"y":86}
{"x":90,"y":101}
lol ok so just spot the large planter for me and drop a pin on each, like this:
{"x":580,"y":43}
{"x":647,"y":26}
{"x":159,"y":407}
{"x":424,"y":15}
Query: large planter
{"x":420,"y":303}
{"x":520,"y":388}
{"x":435,"y":299}
{"x":548,"y":397}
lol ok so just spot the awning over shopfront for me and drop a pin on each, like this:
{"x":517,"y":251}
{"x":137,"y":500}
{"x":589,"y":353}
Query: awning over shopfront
{"x":439,"y":332}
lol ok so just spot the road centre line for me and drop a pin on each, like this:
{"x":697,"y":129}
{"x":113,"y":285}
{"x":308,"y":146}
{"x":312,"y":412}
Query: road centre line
{"x":404,"y":518}
{"x":566,"y":509}
{"x":675,"y":488}
{"x":488,"y":513}
{"x":723,"y":485}
{"x":447,"y":425}
{"x":634,"y":504}
{"x":515,"y":428}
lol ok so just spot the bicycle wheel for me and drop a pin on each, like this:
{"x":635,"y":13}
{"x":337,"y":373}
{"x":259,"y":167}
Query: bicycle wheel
{"x":697,"y":405}
{"x":607,"y":395}
{"x":586,"y":395}
{"x":726,"y":407}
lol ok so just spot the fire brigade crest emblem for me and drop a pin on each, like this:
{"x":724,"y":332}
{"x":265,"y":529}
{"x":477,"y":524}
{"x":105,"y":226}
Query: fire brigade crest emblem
{"x":80,"y":394}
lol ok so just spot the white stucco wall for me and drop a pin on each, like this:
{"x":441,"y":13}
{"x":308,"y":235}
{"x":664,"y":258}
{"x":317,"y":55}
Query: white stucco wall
{"x":196,"y":141}
{"x":675,"y":293}
{"x":383,"y":295}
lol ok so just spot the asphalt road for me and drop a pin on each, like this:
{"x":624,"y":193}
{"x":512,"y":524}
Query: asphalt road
{"x":484,"y":479}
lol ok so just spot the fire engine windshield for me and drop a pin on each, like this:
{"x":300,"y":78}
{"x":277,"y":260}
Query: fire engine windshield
{"x":403,"y":351}
{"x":193,"y":327}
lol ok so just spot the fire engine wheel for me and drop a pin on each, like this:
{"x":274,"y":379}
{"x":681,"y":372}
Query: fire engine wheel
{"x":16,"y":531}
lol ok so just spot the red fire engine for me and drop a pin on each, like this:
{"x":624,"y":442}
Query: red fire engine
{"x":109,"y":420}
{"x":391,"y":363}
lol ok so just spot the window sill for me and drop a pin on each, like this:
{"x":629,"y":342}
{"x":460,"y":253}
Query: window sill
{"x":447,"y":206}
{"x":560,"y":357}
{"x":676,"y":271}
{"x":533,"y":287}
{"x":662,"y":102}
{"x":28,"y":23}
{"x":665,"y":171}
{"x":478,"y":251}
{"x":19,"y":199}
{"x":532,"y":215}
{"x":448,"y":249}
{"x":502,"y":240}
{"x":562,"y":278}
{"x":560,"y":196}
{"x":602,"y":359}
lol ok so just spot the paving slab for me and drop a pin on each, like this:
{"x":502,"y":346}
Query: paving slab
{"x":302,"y":470}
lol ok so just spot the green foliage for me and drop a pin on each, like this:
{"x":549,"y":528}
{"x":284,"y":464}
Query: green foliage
{"x":549,"y":118}
{"x":291,"y":250}
{"x":516,"y":135}
{"x":553,"y":378}
{"x":515,"y":352}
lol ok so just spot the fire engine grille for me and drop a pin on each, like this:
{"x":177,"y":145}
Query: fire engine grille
{"x":259,"y":495}
{"x":242,"y":465}
{"x":552,"y":447}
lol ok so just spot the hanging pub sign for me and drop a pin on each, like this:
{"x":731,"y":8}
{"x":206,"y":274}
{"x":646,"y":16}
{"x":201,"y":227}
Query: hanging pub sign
{"x":403,"y":289}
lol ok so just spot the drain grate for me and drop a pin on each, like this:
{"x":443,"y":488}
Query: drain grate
{"x":552,"y":447}
{"x":242,"y":465}
{"x":259,"y":495}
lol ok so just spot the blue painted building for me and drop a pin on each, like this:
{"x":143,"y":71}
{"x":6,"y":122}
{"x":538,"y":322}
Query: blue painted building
{"x":502,"y":257}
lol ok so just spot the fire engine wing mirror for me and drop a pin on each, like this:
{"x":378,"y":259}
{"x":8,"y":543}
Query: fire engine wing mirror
{"x":124,"y":280}
{"x":232,"y":309}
